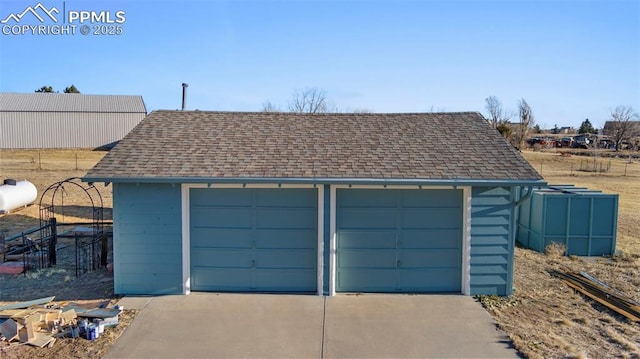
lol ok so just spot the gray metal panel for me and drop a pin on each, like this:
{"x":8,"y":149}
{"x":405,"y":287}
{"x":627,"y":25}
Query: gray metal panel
{"x":62,"y":102}
{"x":64,"y":129}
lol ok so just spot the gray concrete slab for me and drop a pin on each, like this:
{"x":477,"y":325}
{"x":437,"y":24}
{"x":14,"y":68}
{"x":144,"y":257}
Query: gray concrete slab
{"x":133,"y":302}
{"x":209,"y":325}
{"x":411,"y":326}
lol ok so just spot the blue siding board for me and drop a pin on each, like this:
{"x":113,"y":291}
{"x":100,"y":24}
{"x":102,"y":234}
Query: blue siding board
{"x":489,"y":269}
{"x":498,"y":280}
{"x":147,"y":239}
{"x":490,"y":220}
{"x":486,"y":259}
{"x":488,"y":230}
{"x":491,"y":240}
{"x":489,"y":250}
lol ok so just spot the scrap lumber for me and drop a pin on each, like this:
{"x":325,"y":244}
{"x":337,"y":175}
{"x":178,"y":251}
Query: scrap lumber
{"x":41,"y":340}
{"x":31,"y":303}
{"x":9,"y":313}
{"x":601,"y":293}
{"x":91,"y":313}
{"x":9,"y":329}
{"x":68,"y":315}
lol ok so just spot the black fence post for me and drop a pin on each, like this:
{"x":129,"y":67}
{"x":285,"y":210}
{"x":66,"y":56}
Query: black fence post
{"x":53,"y":241}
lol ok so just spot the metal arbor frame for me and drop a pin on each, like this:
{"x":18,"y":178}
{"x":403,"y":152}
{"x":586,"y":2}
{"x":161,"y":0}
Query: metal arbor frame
{"x":90,"y":253}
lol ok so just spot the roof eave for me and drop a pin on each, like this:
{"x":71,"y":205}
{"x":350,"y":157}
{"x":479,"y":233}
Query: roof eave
{"x":322,"y":181}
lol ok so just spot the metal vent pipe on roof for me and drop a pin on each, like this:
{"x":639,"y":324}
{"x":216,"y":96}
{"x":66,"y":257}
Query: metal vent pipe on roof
{"x":184,"y":95}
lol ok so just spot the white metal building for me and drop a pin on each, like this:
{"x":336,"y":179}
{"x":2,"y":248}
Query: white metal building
{"x":60,"y":120}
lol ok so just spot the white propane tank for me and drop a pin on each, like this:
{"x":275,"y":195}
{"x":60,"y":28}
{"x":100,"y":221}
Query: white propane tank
{"x":16,"y":195}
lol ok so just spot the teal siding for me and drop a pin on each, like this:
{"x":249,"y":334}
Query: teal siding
{"x":491,"y":241}
{"x":399,"y":240}
{"x":247,"y":240}
{"x":147,"y":246}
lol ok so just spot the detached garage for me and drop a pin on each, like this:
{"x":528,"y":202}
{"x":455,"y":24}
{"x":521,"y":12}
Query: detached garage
{"x":314,"y":203}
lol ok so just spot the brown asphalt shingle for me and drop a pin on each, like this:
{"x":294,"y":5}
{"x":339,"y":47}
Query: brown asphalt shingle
{"x":201,"y":144}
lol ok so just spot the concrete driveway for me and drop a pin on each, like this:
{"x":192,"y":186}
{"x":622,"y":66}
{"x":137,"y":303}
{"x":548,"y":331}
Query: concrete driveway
{"x":210,"y":325}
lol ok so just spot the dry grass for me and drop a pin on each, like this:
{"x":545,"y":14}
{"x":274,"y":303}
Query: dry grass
{"x":555,"y":249}
{"x":547,"y":319}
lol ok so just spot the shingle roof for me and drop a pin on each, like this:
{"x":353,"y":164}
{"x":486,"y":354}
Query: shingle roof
{"x":196,"y":144}
{"x":63,"y":102}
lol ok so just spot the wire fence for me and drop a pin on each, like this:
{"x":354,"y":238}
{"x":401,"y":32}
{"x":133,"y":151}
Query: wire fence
{"x":587,"y":165}
{"x":48,"y":160}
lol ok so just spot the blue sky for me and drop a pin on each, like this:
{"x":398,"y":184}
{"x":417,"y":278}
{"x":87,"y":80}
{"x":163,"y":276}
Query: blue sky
{"x":570,"y":60}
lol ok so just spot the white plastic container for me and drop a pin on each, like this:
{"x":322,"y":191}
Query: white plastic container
{"x":18,"y":195}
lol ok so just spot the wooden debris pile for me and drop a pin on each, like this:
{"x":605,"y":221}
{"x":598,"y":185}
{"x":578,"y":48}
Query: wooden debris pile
{"x":39,"y":322}
{"x":601,"y":293}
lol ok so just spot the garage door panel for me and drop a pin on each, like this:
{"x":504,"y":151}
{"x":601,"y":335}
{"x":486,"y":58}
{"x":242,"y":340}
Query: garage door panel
{"x":436,"y":198}
{"x":367,"y":239}
{"x":429,"y":258}
{"x":285,"y":259}
{"x":253,"y":239}
{"x":362,"y":198}
{"x":291,"y":198}
{"x":210,"y":217}
{"x":285,"y":238}
{"x":431,"y":217}
{"x":399,"y":240}
{"x":295,"y":218}
{"x":360,"y":218}
{"x":221,"y":258}
{"x":367,"y":280}
{"x":221,"y":238}
{"x":282,"y":280}
{"x":367,"y":258}
{"x":221,"y":197}
{"x":424,"y":239}
{"x":432,"y":280}
{"x":224,"y":279}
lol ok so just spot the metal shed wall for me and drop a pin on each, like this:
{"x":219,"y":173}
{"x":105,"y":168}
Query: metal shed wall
{"x":584,"y":221}
{"x":64,"y":129}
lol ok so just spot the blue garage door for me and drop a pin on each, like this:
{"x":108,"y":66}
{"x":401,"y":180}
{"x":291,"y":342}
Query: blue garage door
{"x":399,"y":240}
{"x":253,"y":240}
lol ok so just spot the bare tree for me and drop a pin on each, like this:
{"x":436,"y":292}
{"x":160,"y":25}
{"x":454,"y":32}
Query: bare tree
{"x":623,"y":125}
{"x":310,"y":100}
{"x":267,"y":106}
{"x":526,"y":122}
{"x":497,"y":114}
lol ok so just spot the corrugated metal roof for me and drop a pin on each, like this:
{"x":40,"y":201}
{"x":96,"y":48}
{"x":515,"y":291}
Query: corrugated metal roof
{"x":286,"y":145}
{"x":63,"y":102}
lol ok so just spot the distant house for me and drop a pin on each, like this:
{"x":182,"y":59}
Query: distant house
{"x":319,"y":203}
{"x":54,"y":120}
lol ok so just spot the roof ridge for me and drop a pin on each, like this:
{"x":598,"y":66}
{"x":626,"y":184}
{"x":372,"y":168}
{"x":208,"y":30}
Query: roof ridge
{"x":320,"y":114}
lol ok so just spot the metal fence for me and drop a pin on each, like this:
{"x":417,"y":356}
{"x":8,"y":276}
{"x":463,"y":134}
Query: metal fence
{"x":585,"y":165}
